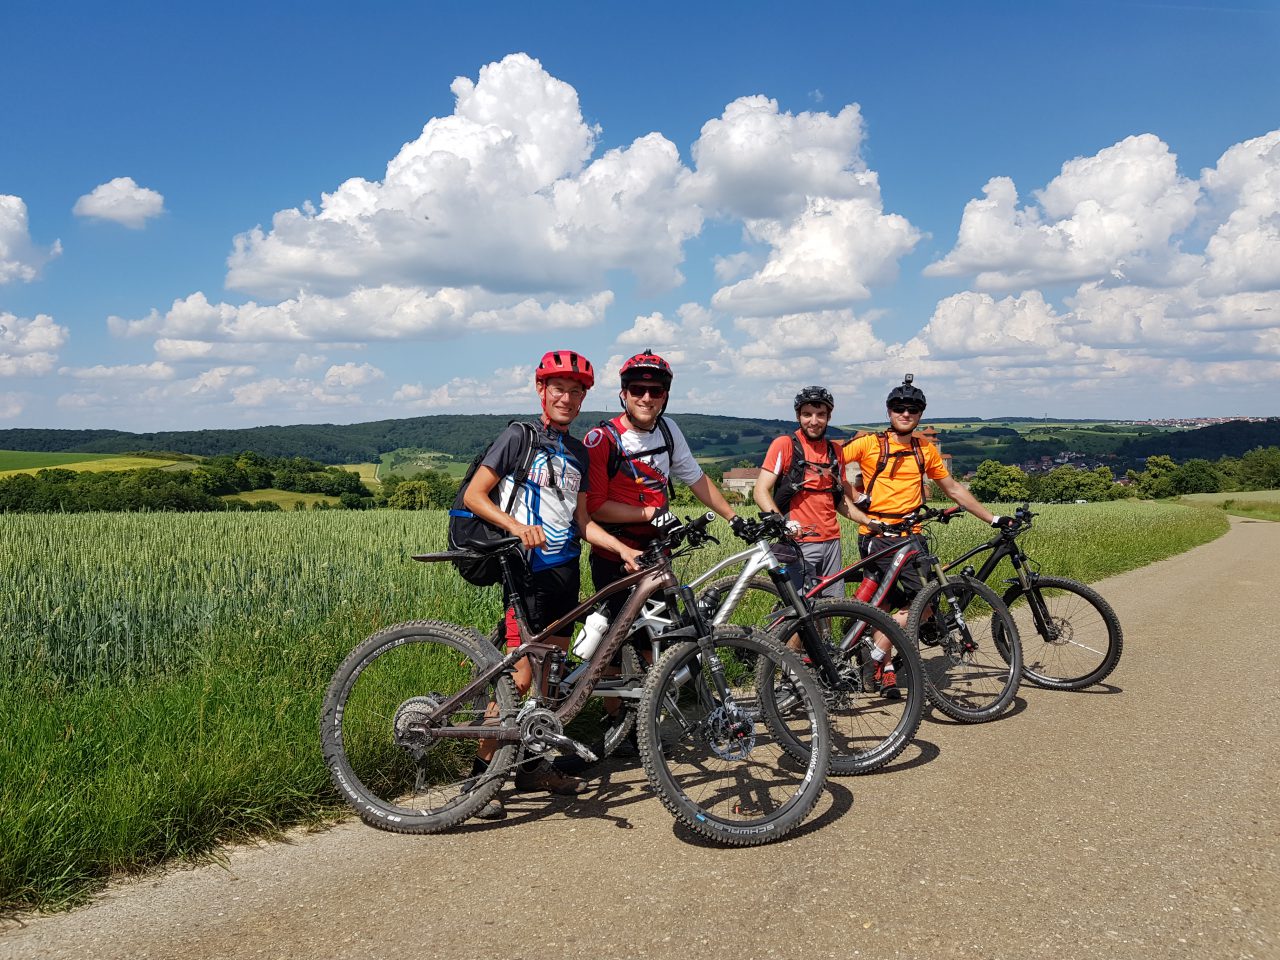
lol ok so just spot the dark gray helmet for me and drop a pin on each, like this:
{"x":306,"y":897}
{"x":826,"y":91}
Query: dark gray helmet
{"x":906,"y":393}
{"x":815,"y":394}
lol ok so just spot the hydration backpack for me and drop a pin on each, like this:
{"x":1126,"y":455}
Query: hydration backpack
{"x":792,"y":482}
{"x":618,"y":456}
{"x":467,"y":531}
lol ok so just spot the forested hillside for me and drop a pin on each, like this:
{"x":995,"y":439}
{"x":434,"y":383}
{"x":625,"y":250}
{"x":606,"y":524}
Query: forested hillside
{"x":460,"y":435}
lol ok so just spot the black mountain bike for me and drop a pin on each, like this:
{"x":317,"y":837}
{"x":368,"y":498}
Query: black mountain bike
{"x":966,"y":637}
{"x":1081,"y":639}
{"x":405,"y":712}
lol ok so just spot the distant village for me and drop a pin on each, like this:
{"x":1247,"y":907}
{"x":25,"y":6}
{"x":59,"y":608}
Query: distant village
{"x":1191,"y":422}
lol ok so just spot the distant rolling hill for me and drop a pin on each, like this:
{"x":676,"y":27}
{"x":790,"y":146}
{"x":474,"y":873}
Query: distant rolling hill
{"x":726,"y":439}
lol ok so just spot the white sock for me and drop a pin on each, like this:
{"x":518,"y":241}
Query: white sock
{"x":877,"y":654}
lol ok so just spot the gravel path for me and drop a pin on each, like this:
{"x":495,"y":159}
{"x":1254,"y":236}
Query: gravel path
{"x":1141,"y":819}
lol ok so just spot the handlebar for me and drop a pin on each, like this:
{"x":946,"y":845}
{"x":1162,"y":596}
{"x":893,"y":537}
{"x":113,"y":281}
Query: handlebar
{"x":692,"y":532}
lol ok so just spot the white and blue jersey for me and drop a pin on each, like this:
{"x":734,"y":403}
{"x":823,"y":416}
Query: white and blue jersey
{"x":549,"y":497}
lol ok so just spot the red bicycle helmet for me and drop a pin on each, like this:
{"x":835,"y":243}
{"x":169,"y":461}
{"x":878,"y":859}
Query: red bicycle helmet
{"x":647,"y":367}
{"x":567,"y":364}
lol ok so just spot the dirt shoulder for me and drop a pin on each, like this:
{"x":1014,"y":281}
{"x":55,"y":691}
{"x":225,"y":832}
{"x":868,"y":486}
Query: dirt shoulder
{"x":1140,"y":819}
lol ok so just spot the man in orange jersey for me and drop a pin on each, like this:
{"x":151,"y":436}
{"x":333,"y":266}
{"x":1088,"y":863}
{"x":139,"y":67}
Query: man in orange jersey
{"x":803,"y":479}
{"x":896,"y":467}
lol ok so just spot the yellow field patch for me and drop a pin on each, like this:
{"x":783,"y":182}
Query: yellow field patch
{"x":286,"y":498}
{"x":97,"y":466}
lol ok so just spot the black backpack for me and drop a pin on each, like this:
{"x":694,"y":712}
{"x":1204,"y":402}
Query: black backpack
{"x":792,"y":482}
{"x":467,"y":531}
{"x":618,"y":456}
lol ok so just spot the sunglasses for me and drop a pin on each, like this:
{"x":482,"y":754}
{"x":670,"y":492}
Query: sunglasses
{"x":905,"y":408}
{"x":638,"y":390}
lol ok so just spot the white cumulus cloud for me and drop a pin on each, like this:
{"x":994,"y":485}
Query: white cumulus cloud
{"x":120,"y":201}
{"x":375,"y":313}
{"x":20,"y":259}
{"x":1120,"y":210}
{"x":157,"y":370}
{"x":499,"y":195}
{"x":28,"y":347}
{"x":348,"y":375}
{"x":831,"y":254}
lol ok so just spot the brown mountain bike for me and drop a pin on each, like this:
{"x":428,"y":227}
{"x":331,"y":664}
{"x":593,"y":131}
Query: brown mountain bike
{"x":405,"y":711}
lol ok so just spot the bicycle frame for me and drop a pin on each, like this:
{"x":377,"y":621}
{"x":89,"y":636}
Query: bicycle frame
{"x":761,"y":555}
{"x":644,"y":585}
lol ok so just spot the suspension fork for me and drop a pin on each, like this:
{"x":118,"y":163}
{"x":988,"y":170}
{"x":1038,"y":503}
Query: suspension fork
{"x":1031,"y":591}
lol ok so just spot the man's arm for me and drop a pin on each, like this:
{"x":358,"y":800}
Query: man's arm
{"x":710,"y":494}
{"x":763,"y":491}
{"x":597,"y":536}
{"x":958,"y":492}
{"x":476,"y":499}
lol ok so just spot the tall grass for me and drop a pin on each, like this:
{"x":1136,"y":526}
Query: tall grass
{"x":161,"y":675}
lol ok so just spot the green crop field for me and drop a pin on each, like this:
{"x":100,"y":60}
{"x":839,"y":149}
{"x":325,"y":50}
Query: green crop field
{"x":161,"y":674}
{"x":13,"y":461}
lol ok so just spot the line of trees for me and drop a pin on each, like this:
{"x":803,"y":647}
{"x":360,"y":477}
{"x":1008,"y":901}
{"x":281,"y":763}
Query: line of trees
{"x":1258,"y":469}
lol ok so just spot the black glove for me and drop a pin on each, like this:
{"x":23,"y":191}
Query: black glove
{"x":876,"y":527}
{"x":664,"y":521}
{"x":1004,"y":523}
{"x":740,"y":526}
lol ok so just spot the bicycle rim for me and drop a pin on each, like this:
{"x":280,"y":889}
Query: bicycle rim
{"x":868,"y":728}
{"x":1075,"y":644}
{"x":969,"y":649}
{"x":379,"y":750}
{"x":717,"y":765}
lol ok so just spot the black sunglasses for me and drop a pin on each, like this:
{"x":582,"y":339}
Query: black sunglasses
{"x":905,"y":408}
{"x":640,"y":389}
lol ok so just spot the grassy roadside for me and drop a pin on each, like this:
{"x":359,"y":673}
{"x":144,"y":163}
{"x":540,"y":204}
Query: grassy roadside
{"x":1253,"y":504}
{"x":161,"y":675}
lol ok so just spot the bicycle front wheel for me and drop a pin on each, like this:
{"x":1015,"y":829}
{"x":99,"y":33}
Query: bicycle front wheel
{"x":969,"y":648}
{"x":379,"y":727}
{"x":714,"y":760}
{"x":1079,"y":636}
{"x":868,"y":729}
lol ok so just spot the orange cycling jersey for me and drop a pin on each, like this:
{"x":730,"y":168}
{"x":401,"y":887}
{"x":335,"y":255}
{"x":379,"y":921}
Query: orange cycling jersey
{"x":897,"y":489}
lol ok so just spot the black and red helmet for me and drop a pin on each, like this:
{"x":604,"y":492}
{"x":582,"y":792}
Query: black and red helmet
{"x":567,"y":364}
{"x":647,"y":367}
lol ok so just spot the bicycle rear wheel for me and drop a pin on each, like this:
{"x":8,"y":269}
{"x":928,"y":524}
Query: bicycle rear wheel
{"x":716,"y":763}
{"x":867,"y":729}
{"x":381,"y":753}
{"x":969,"y":648}
{"x":1079,"y":637}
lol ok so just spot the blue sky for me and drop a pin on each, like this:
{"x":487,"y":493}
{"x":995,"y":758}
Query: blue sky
{"x":318,"y":212}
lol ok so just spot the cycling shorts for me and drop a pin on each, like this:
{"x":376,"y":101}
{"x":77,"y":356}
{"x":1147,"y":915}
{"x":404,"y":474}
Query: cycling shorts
{"x":548,"y":595}
{"x":908,"y":583}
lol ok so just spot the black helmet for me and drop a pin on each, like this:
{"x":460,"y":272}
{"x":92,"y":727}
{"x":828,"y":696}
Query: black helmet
{"x":906,"y":393}
{"x":815,"y":394}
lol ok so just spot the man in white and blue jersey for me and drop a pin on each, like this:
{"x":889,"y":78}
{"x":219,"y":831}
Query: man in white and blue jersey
{"x":549,"y":517}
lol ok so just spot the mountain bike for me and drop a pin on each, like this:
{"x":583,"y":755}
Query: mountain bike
{"x":406,"y":710}
{"x":965,"y":635}
{"x":1081,"y":634}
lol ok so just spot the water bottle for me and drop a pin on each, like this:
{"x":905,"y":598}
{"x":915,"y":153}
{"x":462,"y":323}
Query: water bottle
{"x":584,"y":645}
